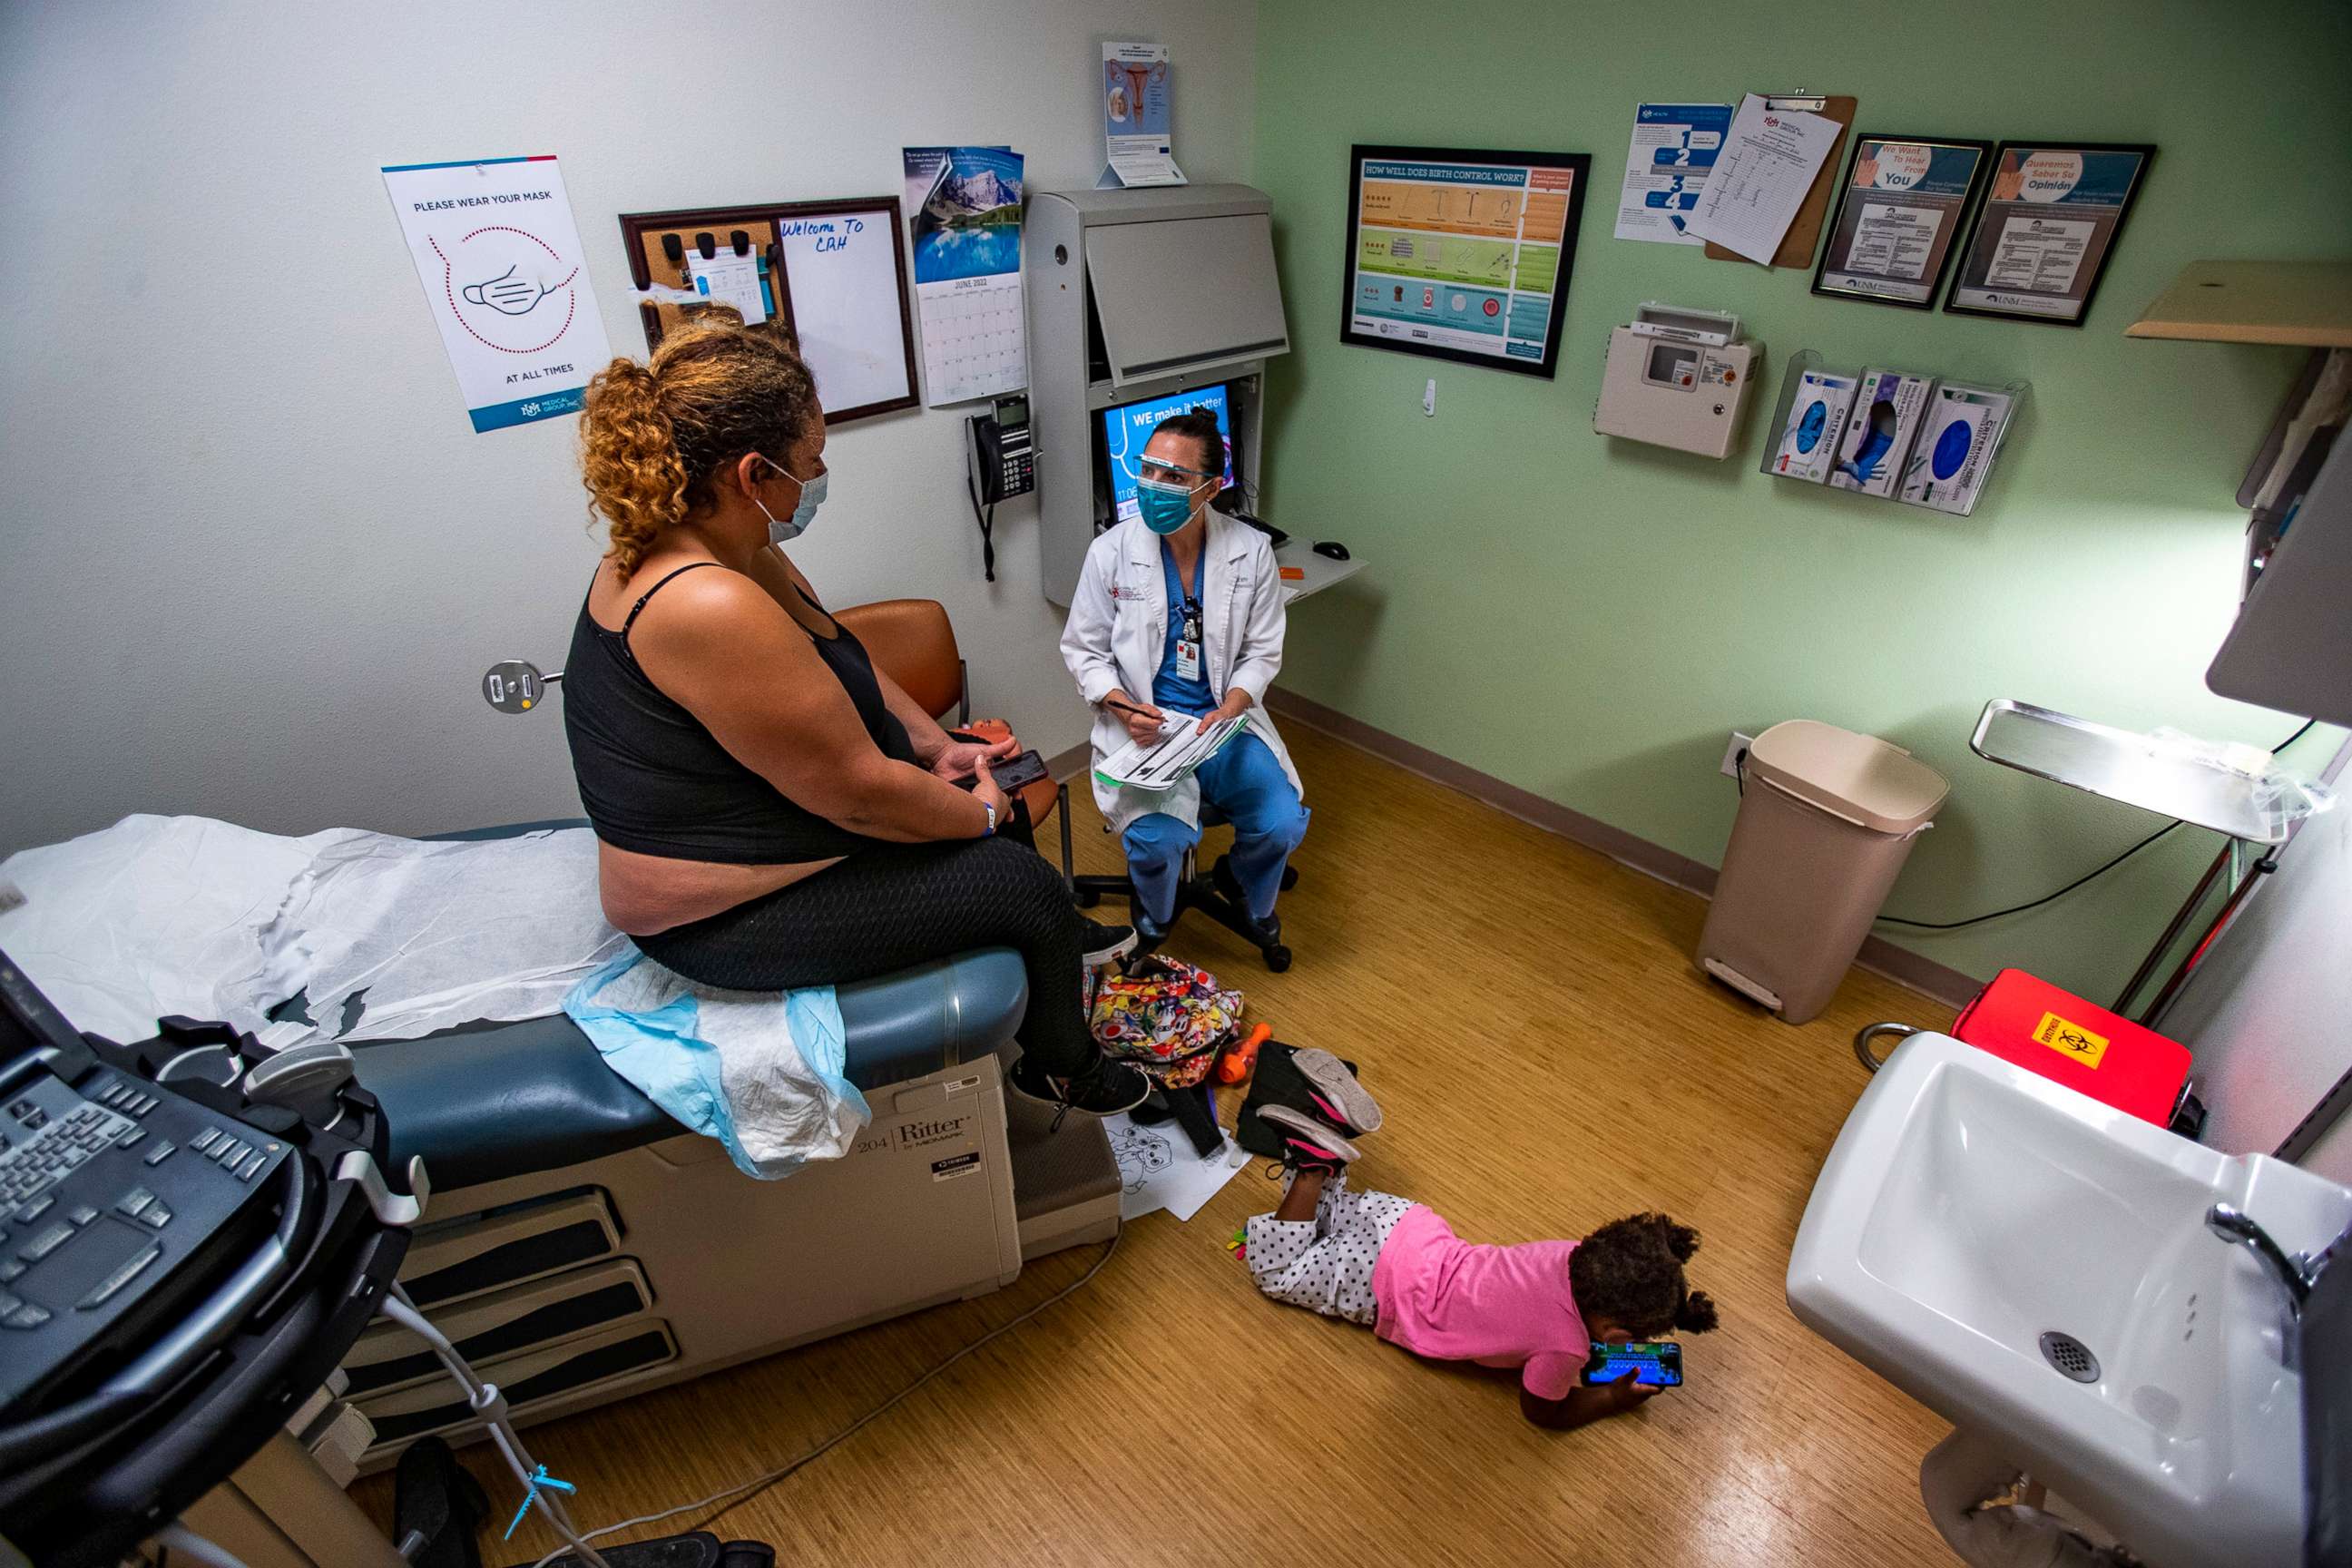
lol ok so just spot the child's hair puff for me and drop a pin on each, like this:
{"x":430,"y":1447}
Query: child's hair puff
{"x":1631,"y":1272}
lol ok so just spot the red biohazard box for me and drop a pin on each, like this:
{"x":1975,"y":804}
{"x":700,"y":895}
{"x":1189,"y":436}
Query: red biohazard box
{"x":2034,"y":1024}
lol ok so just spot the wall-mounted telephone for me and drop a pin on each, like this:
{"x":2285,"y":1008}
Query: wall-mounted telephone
{"x":1001,"y":462}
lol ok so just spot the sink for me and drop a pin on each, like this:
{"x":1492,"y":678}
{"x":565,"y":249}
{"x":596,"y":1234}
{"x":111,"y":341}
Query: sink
{"x":2035,"y":1268}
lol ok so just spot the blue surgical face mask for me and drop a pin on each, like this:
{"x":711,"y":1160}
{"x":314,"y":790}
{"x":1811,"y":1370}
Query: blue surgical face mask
{"x":793,"y":527}
{"x":1165,"y":508}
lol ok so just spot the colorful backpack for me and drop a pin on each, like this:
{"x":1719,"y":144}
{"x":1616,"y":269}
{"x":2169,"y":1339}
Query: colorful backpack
{"x":1167,"y":1016}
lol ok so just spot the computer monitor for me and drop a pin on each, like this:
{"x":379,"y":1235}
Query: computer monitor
{"x":1127,"y":428}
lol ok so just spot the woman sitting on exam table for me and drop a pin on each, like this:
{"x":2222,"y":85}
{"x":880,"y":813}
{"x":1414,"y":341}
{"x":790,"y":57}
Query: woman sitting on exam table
{"x":772,"y":811}
{"x":1177,"y":619}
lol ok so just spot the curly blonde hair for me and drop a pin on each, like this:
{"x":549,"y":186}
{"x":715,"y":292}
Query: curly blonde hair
{"x":653,"y":434}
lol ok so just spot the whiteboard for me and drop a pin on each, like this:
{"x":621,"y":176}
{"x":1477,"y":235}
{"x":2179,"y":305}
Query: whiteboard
{"x":842,"y":270}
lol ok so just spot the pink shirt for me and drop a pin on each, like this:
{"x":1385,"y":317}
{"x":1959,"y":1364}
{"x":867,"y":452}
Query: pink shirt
{"x":1452,"y":1299}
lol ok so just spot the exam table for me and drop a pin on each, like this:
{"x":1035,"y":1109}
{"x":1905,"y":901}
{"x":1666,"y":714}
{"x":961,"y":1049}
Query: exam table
{"x":581,"y":1247}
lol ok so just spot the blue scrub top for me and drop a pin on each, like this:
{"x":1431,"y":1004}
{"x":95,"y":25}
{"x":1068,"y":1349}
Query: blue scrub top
{"x":1169,"y":689}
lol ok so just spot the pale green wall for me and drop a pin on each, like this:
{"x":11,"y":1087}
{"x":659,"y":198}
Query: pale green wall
{"x":1587,"y":618}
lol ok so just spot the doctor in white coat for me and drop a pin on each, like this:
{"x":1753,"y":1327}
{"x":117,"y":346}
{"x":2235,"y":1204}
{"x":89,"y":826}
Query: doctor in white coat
{"x":1178,"y":618}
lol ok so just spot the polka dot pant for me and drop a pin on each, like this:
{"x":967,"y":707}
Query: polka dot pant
{"x":1325,"y":1263}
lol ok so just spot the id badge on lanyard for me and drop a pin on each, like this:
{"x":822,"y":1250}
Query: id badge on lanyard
{"x":1188,"y":644}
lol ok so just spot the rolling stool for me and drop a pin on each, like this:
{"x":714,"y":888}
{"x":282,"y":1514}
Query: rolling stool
{"x":1217,"y":895}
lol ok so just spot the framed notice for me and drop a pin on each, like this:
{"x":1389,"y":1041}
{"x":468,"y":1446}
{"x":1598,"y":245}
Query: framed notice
{"x":1460,"y":255}
{"x":2046,"y":229}
{"x":1899,"y":213}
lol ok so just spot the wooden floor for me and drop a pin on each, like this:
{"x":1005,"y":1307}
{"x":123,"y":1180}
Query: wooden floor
{"x":1527,"y":1013}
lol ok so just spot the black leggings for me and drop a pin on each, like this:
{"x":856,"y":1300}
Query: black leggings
{"x":895,"y":905}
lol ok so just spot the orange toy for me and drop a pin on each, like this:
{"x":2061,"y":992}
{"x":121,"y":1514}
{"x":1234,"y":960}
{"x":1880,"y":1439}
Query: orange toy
{"x":1240,"y":1060}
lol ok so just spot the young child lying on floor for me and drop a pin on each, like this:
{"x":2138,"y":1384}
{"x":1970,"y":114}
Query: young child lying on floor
{"x":1375,"y":1258}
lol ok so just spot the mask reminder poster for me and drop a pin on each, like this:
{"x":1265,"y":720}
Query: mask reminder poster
{"x":503,"y":272}
{"x":1461,"y":258}
{"x":963,"y":208}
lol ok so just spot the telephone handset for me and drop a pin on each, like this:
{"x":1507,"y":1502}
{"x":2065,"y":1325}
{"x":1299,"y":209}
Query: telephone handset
{"x":1001,"y":462}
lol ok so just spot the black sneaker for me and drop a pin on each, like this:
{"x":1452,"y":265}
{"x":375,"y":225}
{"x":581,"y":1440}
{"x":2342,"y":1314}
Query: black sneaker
{"x":1282,"y":1078}
{"x":1149,"y":934}
{"x":1105,"y":942}
{"x":1337,"y":1096}
{"x":1105,"y":1087}
{"x":1310,"y":1143}
{"x":1264,"y":932}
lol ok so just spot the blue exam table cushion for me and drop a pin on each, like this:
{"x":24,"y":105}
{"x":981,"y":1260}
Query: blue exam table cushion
{"x":483,"y":1102}
{"x":486,"y":1101}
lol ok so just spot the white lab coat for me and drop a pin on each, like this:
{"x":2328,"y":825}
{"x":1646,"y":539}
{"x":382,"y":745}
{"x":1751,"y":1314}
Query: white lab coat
{"x":1118,"y":630}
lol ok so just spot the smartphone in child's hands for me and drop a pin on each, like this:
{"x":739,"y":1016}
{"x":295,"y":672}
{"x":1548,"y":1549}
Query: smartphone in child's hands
{"x":1655,"y":1363}
{"x":1011,"y":773}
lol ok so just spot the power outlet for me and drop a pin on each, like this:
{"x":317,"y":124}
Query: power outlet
{"x":1739,"y":742}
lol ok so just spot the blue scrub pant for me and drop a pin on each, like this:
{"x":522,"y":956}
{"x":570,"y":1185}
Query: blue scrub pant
{"x":1245,"y":786}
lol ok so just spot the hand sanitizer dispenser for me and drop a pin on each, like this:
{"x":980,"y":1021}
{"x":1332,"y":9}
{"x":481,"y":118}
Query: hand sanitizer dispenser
{"x":1677,"y":378}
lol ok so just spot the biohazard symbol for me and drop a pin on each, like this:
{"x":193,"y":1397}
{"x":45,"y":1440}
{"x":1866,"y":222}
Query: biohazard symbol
{"x":2070,"y":1039}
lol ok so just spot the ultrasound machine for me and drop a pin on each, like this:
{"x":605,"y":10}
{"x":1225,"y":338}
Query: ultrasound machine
{"x":191,"y":1234}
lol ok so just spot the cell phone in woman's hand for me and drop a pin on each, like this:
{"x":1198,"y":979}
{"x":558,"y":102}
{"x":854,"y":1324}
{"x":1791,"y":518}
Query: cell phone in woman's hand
{"x":1011,"y":773}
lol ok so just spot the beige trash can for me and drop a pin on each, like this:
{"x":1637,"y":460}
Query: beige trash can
{"x":1825,"y":822}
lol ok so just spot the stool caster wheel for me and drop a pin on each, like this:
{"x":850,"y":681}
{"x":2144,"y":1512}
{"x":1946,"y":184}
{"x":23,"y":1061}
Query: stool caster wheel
{"x":1086,"y":898}
{"x":1278,"y":958}
{"x":1289,"y":877}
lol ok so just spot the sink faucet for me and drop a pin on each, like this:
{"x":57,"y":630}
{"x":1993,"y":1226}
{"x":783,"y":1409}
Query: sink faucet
{"x":2297,"y":1272}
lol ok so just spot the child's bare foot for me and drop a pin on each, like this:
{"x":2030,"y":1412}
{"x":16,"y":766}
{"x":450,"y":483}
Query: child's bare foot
{"x":1306,"y":1194}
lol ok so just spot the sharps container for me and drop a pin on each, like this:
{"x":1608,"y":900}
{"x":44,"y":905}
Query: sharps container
{"x":1826,"y":820}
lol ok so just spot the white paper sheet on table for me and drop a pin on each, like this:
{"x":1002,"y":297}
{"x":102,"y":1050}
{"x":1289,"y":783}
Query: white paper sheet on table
{"x":1760,"y":180}
{"x":1168,"y":761}
{"x":384,"y":938}
{"x":1159,"y":1169}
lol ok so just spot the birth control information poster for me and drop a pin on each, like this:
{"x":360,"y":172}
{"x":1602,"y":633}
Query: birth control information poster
{"x":1898,"y":219}
{"x":2047,"y":227}
{"x":505,"y":277}
{"x":1462,"y":256}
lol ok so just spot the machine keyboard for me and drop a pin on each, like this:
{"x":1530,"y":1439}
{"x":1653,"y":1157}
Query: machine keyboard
{"x":105,"y":1190}
{"x":57,"y":1145}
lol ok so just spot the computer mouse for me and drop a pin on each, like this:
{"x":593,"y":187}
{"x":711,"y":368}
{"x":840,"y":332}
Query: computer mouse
{"x":1332,"y":548}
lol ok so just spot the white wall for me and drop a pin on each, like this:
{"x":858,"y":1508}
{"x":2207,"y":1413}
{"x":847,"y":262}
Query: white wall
{"x":256,"y":559}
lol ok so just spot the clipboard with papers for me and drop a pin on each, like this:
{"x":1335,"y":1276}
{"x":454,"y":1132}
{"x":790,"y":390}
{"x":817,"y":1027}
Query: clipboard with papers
{"x":1171,"y":759}
{"x":1769,"y":190}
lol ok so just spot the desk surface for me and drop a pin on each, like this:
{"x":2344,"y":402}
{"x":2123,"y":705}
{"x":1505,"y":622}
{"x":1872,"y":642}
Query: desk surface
{"x":1321,"y":570}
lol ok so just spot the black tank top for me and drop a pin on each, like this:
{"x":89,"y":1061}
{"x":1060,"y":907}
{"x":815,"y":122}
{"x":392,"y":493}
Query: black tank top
{"x":654,"y":780}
